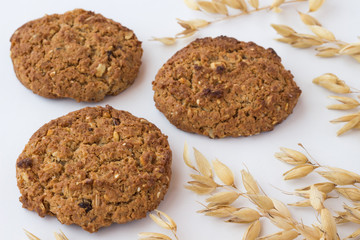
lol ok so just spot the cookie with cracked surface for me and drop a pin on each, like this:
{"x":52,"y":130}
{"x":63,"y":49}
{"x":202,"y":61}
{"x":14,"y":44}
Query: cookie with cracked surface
{"x":222,"y":87}
{"x":78,"y":54}
{"x":94,"y":167}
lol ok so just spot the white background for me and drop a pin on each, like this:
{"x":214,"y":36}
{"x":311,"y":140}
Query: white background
{"x":23,"y":112}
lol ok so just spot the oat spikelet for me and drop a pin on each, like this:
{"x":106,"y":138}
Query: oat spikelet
{"x":297,"y":156}
{"x":354,"y":212}
{"x":186,"y":157}
{"x":213,"y":7}
{"x":199,"y":188}
{"x":60,"y":236}
{"x":220,"y":211}
{"x":314,"y":5}
{"x":262,"y":201}
{"x":308,"y":233}
{"x":306,"y":194}
{"x":193,"y":24}
{"x":346,"y":100}
{"x":281,"y":208}
{"x":351,"y":49}
{"x":352,"y":174}
{"x":306,"y":42}
{"x":322,"y":32}
{"x":342,"y":106}
{"x":237,"y":4}
{"x":299,"y":171}
{"x":279,"y":220}
{"x":165,"y":40}
{"x":345,"y":118}
{"x":332,"y":83}
{"x":159,"y":221}
{"x":354,"y":234}
{"x":316,"y":198}
{"x":209,"y":182}
{"x":30,"y":235}
{"x":341,"y":218}
{"x":308,"y":20}
{"x":186,"y":33}
{"x":223,"y":172}
{"x":153,"y":236}
{"x":244,"y":215}
{"x":254,"y":3}
{"x":337,"y":177}
{"x":348,"y":103}
{"x":222,"y":198}
{"x":356,"y":57}
{"x":288,"y":40}
{"x":328,"y":224}
{"x":352,"y":194}
{"x":303,"y":203}
{"x":169,"y":221}
{"x":249,"y":183}
{"x":284,"y":235}
{"x":202,"y":163}
{"x":350,"y":125}
{"x":327,"y":51}
{"x":277,"y":3}
{"x":285,"y":158}
{"x":324,"y":187}
{"x":192,"y":4}
{"x":253,"y":231}
{"x":283,"y":30}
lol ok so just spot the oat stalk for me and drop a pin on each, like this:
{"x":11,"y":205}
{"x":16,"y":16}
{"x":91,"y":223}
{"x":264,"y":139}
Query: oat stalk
{"x":324,"y":41}
{"x":222,"y":200}
{"x":190,"y":27}
{"x":332,"y":83}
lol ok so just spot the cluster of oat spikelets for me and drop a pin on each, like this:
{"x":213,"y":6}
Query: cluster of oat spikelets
{"x":324,"y":40}
{"x":220,"y":203}
{"x":58,"y":236}
{"x":332,"y":83}
{"x":221,"y":7}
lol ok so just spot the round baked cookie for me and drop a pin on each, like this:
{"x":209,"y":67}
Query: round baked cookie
{"x":94,"y":167}
{"x":222,"y":87}
{"x":79,"y":55}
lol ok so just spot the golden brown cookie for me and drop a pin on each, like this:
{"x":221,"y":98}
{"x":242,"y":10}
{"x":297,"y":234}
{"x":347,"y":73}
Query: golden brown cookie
{"x":222,"y":87}
{"x":79,"y":55}
{"x":94,"y":167}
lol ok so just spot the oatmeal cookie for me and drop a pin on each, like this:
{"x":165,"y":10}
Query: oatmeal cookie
{"x":94,"y":167}
{"x":78,"y":54}
{"x":222,"y":87}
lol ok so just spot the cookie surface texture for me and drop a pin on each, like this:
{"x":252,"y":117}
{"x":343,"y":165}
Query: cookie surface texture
{"x":78,"y":54}
{"x":222,"y":87}
{"x":94,"y":167}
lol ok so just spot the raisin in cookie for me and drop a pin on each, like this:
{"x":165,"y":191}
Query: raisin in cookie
{"x":78,"y":54}
{"x":94,"y":167}
{"x":222,"y":87}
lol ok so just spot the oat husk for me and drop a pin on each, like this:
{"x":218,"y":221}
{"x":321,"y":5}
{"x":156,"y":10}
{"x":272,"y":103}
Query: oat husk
{"x":253,"y":231}
{"x":284,"y":235}
{"x":223,"y":172}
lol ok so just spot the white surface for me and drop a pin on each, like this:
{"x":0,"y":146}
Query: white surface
{"x":23,"y":112}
